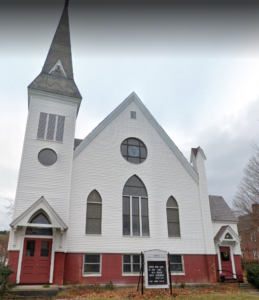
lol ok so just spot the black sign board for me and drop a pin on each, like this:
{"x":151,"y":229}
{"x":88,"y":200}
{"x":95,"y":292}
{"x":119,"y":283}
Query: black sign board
{"x":157,"y":272}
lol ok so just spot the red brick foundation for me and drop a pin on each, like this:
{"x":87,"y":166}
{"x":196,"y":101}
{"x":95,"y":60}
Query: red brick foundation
{"x":68,"y":268}
{"x":59,"y":264}
{"x":13,"y":263}
{"x":238,"y":265}
{"x":198,"y":268}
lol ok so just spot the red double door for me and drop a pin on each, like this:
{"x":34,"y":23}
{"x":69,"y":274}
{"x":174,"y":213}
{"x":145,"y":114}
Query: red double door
{"x":36,"y":261}
{"x":226,"y":262}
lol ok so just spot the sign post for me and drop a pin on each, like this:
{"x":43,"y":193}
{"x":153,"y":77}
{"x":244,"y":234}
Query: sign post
{"x":141,"y":273}
{"x":156,"y":269}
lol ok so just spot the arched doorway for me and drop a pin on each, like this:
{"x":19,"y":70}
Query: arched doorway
{"x":36,"y":258}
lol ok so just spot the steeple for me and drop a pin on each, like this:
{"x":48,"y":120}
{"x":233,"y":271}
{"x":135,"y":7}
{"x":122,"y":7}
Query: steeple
{"x":57,"y":73}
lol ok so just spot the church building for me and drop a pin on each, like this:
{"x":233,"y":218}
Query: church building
{"x":86,"y":209}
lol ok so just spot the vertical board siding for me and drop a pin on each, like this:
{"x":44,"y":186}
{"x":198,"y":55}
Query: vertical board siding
{"x":101,"y":166}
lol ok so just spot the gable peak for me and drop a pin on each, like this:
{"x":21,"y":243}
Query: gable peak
{"x":58,"y":70}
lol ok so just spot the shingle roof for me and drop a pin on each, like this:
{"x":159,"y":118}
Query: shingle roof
{"x":220,"y":232}
{"x":220,"y":211}
{"x":60,"y":50}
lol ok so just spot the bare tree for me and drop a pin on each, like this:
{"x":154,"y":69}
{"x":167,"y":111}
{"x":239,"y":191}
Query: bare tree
{"x":9,"y":207}
{"x":248,"y":190}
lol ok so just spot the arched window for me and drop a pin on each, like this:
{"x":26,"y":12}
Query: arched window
{"x":94,"y":213}
{"x":173,"y":223}
{"x":135,"y":208}
{"x":228,"y":236}
{"x":39,"y":219}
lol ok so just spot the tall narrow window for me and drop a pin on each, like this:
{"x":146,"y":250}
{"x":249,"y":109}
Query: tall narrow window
{"x":60,"y":129}
{"x":94,"y":213}
{"x":42,"y":125}
{"x":173,"y":223}
{"x":135,"y":208}
{"x":51,"y":127}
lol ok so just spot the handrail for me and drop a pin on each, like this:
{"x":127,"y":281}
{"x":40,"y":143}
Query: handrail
{"x":236,"y":275}
{"x":231,"y":273}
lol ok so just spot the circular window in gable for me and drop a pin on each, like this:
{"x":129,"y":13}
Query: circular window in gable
{"x":133,"y":150}
{"x":47,"y":157}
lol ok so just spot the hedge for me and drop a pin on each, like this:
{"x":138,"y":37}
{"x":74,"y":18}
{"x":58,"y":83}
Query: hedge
{"x":252,"y":272}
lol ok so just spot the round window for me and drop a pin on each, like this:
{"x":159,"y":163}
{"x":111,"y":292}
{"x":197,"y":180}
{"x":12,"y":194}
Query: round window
{"x":47,"y":157}
{"x":133,"y":150}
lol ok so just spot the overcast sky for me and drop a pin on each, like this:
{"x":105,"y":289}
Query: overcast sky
{"x":195,"y":67}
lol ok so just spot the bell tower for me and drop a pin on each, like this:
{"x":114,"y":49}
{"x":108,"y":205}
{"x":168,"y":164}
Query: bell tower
{"x":47,"y":157}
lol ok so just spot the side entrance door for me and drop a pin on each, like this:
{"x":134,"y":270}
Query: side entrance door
{"x":226,"y":263}
{"x":36,"y":261}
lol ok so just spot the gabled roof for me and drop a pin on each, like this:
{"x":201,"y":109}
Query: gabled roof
{"x":220,"y":211}
{"x":41,"y":203}
{"x":222,"y":232}
{"x":57,"y":73}
{"x":134,"y":98}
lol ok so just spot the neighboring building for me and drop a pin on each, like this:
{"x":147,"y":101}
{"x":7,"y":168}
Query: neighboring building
{"x":248,"y":228}
{"x":86,"y":209}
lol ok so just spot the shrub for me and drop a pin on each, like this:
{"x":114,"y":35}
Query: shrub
{"x":253,"y":274}
{"x":5,"y":273}
{"x":248,"y":262}
{"x":109,"y":286}
{"x":97,"y":288}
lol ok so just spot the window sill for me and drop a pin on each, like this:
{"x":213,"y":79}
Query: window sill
{"x":178,"y":273}
{"x":131,"y":274}
{"x":93,"y":234}
{"x":49,"y":141}
{"x":136,"y":236}
{"x":175,"y":237}
{"x":92,"y":275}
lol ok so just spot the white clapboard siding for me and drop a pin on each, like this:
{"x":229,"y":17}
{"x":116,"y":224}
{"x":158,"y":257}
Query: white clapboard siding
{"x":100,"y":166}
{"x":199,"y":161}
{"x":36,"y":180}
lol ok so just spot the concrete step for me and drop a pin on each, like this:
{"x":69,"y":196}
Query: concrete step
{"x":34,"y":291}
{"x":246,"y":286}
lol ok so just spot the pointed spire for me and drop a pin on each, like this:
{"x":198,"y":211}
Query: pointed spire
{"x":60,"y":48}
{"x":57,"y":73}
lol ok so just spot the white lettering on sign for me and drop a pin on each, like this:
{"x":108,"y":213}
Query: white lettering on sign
{"x":156,"y":264}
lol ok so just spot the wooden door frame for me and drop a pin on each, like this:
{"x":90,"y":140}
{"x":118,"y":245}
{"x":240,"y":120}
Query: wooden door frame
{"x":52,"y":254}
{"x":36,"y":256}
{"x":231,"y":248}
